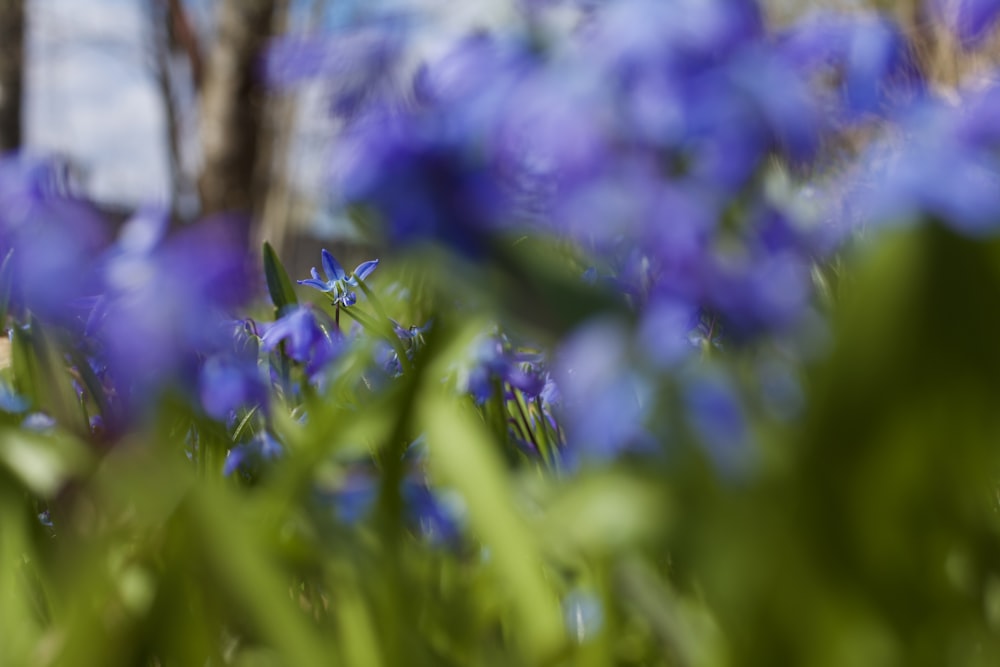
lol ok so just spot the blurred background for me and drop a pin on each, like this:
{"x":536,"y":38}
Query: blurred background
{"x":146,"y":105}
{"x":870,"y":536}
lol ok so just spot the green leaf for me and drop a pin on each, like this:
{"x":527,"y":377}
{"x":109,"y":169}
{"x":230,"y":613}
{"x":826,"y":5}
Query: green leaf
{"x":91,"y":382}
{"x":52,"y":381}
{"x":20,"y":624}
{"x":279,"y":286}
{"x":235,"y":555}
{"x":462,"y":457}
{"x":602,"y":514}
{"x":41,"y":463}
{"x":25,"y":366}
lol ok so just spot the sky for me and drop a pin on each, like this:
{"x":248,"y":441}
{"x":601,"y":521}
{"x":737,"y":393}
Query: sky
{"x":91,"y":93}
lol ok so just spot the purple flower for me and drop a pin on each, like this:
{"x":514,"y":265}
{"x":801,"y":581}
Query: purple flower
{"x":682,"y":36}
{"x":716,"y":415}
{"x":421,"y":181}
{"x":436,"y":515}
{"x":54,"y":238}
{"x":229,"y":383}
{"x":167,"y":307}
{"x":943,"y":165}
{"x":665,"y":332}
{"x":249,"y":456}
{"x":766,"y":292}
{"x":358,"y":65}
{"x":971,"y":20}
{"x":305,"y":341}
{"x":412,"y":338}
{"x":869,"y":53}
{"x":498,"y":364}
{"x":605,"y":403}
{"x":337,"y":281}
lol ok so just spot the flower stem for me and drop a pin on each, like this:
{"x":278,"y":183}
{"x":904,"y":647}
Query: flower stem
{"x":543,"y":451}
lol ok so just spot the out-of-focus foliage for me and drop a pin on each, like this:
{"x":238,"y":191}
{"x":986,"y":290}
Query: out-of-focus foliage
{"x":658,"y":368}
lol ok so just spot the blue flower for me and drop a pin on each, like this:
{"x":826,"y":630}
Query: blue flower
{"x":167,"y":305}
{"x":337,"y":281}
{"x":228,"y":383}
{"x":305,"y":339}
{"x":437,"y":515}
{"x":970,"y":20}
{"x":715,"y":413}
{"x":251,"y":455}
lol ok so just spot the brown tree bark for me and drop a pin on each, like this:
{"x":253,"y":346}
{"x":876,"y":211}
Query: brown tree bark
{"x":11,"y":72}
{"x":232,"y":105}
{"x":184,"y":39}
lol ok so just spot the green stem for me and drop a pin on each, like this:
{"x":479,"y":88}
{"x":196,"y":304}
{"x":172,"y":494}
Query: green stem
{"x":552,"y":443}
{"x":244,"y":423}
{"x":380,"y":310}
{"x":543,"y":451}
{"x":374,"y":300}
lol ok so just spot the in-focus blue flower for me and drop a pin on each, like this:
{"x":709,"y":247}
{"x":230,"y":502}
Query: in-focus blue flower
{"x":337,"y":280}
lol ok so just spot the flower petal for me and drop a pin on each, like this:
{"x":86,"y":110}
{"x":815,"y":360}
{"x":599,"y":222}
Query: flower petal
{"x":364,"y":269}
{"x":334,"y":271}
{"x":318,"y":284}
{"x":234,"y":459}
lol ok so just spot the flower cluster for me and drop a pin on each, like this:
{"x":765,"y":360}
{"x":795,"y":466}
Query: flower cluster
{"x":615,"y":235}
{"x":647,"y":136}
{"x":650,"y":136}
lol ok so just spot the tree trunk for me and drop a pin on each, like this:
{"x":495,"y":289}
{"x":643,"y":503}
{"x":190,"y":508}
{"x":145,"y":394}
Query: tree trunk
{"x":11,"y":68}
{"x":232,"y":107}
{"x":176,"y":43}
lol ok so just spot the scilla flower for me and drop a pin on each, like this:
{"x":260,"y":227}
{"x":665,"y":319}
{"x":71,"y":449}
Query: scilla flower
{"x":337,"y":281}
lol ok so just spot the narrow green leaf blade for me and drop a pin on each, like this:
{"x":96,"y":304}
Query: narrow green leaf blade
{"x":462,"y":457}
{"x":279,"y":286}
